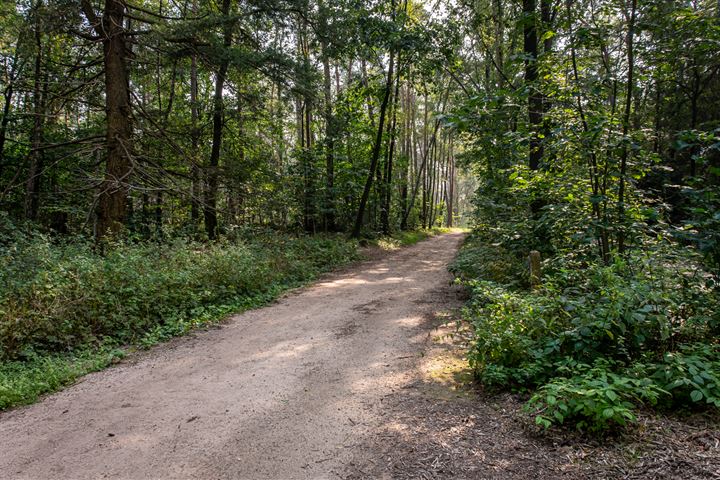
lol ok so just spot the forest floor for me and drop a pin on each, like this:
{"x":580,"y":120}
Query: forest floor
{"x":357,"y":376}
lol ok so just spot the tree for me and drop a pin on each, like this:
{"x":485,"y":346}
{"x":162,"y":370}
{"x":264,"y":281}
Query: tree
{"x":112,"y":195}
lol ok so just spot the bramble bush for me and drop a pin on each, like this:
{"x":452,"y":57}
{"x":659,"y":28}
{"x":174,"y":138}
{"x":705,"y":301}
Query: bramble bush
{"x":57,"y":297}
{"x":65,"y":308}
{"x":595,"y":342}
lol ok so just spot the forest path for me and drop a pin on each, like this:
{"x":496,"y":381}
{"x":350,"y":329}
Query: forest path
{"x":293,"y":390}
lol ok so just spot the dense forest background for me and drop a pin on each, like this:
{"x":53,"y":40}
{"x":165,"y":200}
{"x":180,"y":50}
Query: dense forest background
{"x":586,"y":130}
{"x":186,"y":118}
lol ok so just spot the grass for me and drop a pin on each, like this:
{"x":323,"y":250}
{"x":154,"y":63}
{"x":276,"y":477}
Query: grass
{"x":22,"y":382}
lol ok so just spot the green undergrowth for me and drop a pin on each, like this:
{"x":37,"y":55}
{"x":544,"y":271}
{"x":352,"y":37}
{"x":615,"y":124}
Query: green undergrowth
{"x":595,"y":343}
{"x":66,"y":309}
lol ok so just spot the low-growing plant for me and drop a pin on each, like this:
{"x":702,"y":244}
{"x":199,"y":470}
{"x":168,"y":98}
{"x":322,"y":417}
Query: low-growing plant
{"x":691,"y":375}
{"x":595,"y":342}
{"x":594,"y":399}
{"x":64,"y":305}
{"x":65,"y":296}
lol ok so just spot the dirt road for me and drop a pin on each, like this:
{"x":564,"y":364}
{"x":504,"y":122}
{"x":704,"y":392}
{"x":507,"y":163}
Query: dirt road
{"x":288,"y":391}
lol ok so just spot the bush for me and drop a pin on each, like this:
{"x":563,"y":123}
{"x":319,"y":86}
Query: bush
{"x":691,"y":375}
{"x":61,"y":297}
{"x":598,"y":341}
{"x":594,"y":399}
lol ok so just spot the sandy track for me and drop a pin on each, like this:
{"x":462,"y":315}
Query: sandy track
{"x":288,"y":391}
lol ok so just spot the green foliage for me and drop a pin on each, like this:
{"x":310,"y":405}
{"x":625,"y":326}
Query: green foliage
{"x":65,"y":307}
{"x":490,"y":261}
{"x":692,"y":375}
{"x":58,"y":297}
{"x":594,"y":399}
{"x":22,"y":382}
{"x":597,"y":341}
{"x":405,"y":238}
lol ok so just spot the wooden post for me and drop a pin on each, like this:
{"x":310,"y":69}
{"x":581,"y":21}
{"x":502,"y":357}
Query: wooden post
{"x":534,"y":269}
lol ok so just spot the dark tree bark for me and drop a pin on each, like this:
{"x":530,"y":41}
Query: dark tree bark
{"x":195,"y":187}
{"x":547,"y":16}
{"x":211,"y":175}
{"x":626,"y":123}
{"x":535,"y":100}
{"x":376,"y":148}
{"x":7,"y":95}
{"x":158,"y":214}
{"x":32,"y":191}
{"x":112,"y":196}
{"x":329,"y":142}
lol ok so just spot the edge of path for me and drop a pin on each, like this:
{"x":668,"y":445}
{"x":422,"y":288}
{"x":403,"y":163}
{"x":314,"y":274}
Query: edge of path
{"x":127,"y":355}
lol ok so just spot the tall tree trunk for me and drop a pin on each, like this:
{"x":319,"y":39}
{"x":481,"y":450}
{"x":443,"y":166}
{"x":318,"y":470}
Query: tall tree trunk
{"x":499,"y":38}
{"x":421,"y":170}
{"x":626,"y":124}
{"x":158,"y":214}
{"x":366,"y":84}
{"x":450,"y":187}
{"x":376,"y":148}
{"x":329,"y":210}
{"x":410,"y":153}
{"x":32,"y":192}
{"x":694,"y":97}
{"x":7,"y":95}
{"x":112,"y":196}
{"x":546,"y":18}
{"x":426,"y":151}
{"x":211,"y":176}
{"x":535,"y":101}
{"x":387,"y":194}
{"x":329,"y":141}
{"x":195,"y":188}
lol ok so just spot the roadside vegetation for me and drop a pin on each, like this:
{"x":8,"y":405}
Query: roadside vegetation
{"x":66,"y":309}
{"x":593,"y":343}
{"x":591,"y":146}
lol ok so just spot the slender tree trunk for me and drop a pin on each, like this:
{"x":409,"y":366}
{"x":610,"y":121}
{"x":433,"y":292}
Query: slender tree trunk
{"x":387,"y":194}
{"x":211,"y":182}
{"x":329,"y":141}
{"x":366,"y":84}
{"x":499,"y":38}
{"x":7,"y":95}
{"x":694,"y":97}
{"x":657,"y":120}
{"x":451,"y":188}
{"x":195,"y":188}
{"x":434,"y":176}
{"x":626,"y":125}
{"x":376,"y":148}
{"x":32,"y":193}
{"x":158,"y":214}
{"x":410,"y":153}
{"x":546,"y":18}
{"x":535,"y":101}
